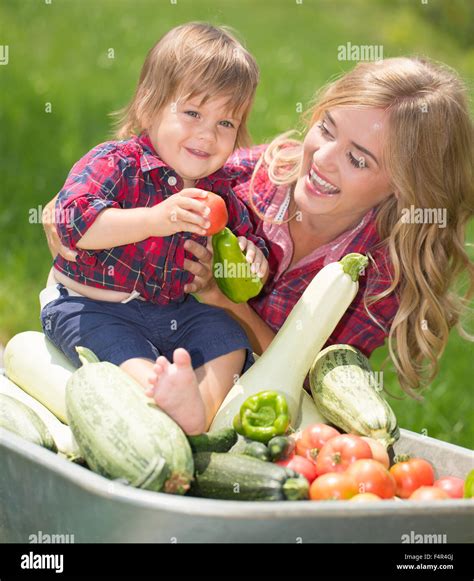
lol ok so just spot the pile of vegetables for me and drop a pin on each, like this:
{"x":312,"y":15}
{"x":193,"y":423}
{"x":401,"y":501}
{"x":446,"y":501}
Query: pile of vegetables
{"x":253,"y":451}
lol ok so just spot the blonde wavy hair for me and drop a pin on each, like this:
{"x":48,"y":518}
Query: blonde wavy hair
{"x":429,"y":157}
{"x":193,"y":59}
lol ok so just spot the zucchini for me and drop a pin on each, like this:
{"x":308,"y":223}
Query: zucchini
{"x":346,"y":393}
{"x":280,"y":447}
{"x":61,"y":433}
{"x":37,"y":366}
{"x":257,"y":450}
{"x":305,"y":331}
{"x":17,"y":417}
{"x":240,"y":477}
{"x":121,"y":434}
{"x":217,"y":441}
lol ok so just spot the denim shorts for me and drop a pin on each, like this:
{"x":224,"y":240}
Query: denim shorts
{"x":116,"y":332}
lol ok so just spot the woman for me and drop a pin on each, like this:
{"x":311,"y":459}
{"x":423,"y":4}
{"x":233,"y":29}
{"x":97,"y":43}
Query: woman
{"x":388,"y":152}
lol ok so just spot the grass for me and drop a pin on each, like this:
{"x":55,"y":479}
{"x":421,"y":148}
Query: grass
{"x":61,"y":83}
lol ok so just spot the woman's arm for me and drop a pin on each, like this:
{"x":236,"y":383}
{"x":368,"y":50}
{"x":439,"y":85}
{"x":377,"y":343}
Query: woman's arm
{"x":258,"y":332}
{"x":207,"y":291}
{"x":52,"y":237}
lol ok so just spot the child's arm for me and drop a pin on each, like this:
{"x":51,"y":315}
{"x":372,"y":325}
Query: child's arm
{"x":90,"y":215}
{"x":116,"y":227}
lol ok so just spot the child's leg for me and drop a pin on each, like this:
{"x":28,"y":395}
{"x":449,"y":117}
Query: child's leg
{"x":190,"y":397}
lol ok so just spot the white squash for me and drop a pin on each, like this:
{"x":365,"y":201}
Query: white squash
{"x":62,"y":434}
{"x":39,"y":368}
{"x":286,"y":362}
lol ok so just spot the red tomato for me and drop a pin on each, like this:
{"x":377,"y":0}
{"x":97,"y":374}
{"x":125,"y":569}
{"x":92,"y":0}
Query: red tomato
{"x":379,"y":451}
{"x":300,"y":465}
{"x":411,"y":474}
{"x":340,"y":451}
{"x":371,"y":476}
{"x":365,"y":496}
{"x":333,"y":486}
{"x":429,"y":493}
{"x":452,"y":485}
{"x":313,"y":439}
{"x":218,"y":216}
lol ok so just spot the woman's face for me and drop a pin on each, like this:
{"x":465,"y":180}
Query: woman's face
{"x":342,"y":173}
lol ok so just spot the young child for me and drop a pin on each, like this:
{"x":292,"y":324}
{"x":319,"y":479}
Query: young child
{"x":127,"y":208}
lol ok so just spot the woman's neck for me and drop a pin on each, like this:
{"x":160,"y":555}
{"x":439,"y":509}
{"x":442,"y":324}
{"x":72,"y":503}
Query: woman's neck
{"x":321,"y":228}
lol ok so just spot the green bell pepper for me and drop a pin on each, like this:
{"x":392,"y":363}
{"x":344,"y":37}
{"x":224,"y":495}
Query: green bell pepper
{"x":263,"y":416}
{"x":231,"y":269}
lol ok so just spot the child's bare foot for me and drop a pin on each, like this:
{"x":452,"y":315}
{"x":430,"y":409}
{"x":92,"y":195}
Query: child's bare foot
{"x":175,"y":390}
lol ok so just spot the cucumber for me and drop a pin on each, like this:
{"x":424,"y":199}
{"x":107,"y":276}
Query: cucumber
{"x":280,"y":447}
{"x":347,"y":394}
{"x":121,"y":433}
{"x":257,"y":450}
{"x":218,"y":441}
{"x":240,"y":477}
{"x":17,"y":417}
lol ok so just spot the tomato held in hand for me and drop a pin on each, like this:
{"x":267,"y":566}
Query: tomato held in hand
{"x":371,"y":476}
{"x":300,"y":465}
{"x":313,"y":439}
{"x":333,"y":486}
{"x":429,"y":493}
{"x":340,"y":451}
{"x":452,"y":485}
{"x":218,"y":216}
{"x":411,"y":474}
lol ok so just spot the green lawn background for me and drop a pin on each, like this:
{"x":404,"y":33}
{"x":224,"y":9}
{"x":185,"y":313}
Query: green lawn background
{"x":59,"y":54}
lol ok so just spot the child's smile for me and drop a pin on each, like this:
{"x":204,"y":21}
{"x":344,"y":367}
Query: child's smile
{"x":195,"y":138}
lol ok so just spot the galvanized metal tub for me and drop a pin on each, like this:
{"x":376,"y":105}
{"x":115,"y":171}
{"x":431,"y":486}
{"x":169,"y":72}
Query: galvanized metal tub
{"x":44,"y":494}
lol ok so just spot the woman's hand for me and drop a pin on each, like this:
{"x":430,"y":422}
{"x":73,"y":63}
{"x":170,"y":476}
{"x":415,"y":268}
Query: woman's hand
{"x":52,"y":236}
{"x":204,"y":284}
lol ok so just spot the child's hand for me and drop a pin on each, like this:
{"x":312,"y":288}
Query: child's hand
{"x":181,"y":212}
{"x":254,"y":256}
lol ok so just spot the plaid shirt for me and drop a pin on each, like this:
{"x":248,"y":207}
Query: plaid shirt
{"x":286,"y":285}
{"x":129,"y":174}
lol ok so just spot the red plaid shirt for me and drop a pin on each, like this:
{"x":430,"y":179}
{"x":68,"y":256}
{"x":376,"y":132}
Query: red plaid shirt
{"x":285,"y":286}
{"x":129,"y":174}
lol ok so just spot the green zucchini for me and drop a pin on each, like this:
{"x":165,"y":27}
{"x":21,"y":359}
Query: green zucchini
{"x":121,"y":433}
{"x":280,"y":447}
{"x":240,"y":477}
{"x":346,"y":393}
{"x":257,"y":450}
{"x":17,"y":417}
{"x":217,"y":441}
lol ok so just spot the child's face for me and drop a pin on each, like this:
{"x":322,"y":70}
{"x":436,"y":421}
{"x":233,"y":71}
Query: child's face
{"x":195,"y":139}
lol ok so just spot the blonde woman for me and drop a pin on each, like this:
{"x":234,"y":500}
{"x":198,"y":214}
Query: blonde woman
{"x":385,"y":169}
{"x":385,"y":138}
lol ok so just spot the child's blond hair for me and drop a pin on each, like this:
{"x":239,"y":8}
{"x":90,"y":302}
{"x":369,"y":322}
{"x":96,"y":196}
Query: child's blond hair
{"x":192,"y":59}
{"x":429,"y":158}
